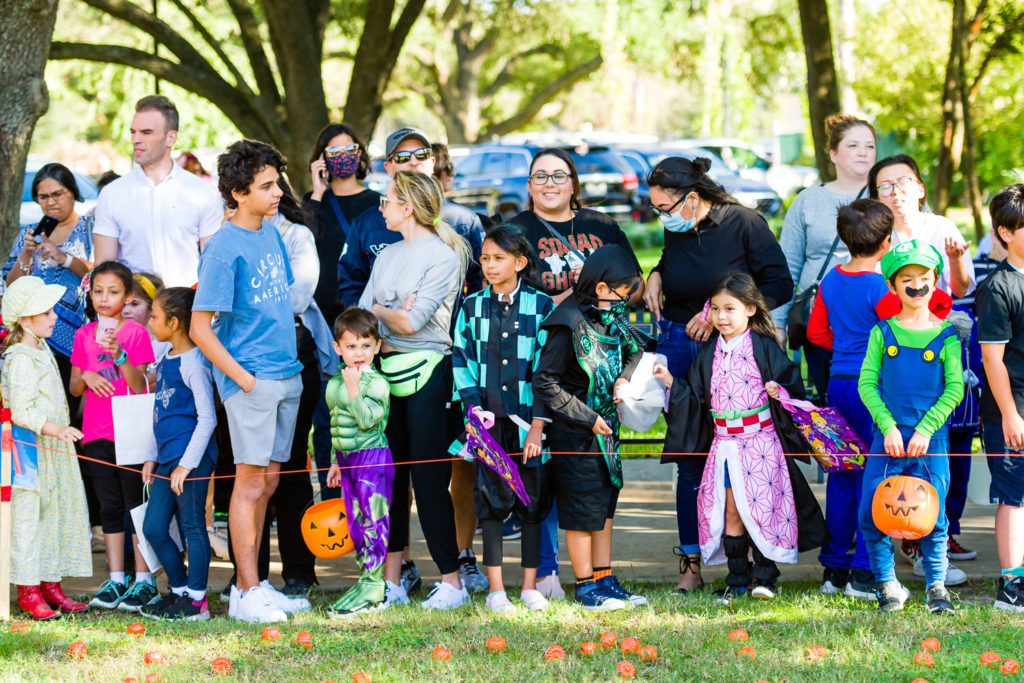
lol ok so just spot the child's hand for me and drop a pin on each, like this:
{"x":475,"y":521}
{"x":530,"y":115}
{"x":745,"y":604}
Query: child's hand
{"x":601,"y":427}
{"x":68,"y":434}
{"x":147,"y":472}
{"x":661,"y":372}
{"x":894,"y":443}
{"x":918,"y":445}
{"x":773,"y":389}
{"x":98,"y":384}
{"x":1013,"y":431}
{"x":954,"y":251}
{"x":351,"y":375}
{"x":532,"y":445}
{"x":112,"y":345}
{"x":334,"y":476}
{"x":248,"y":383}
{"x":178,"y":479}
{"x":620,"y":386}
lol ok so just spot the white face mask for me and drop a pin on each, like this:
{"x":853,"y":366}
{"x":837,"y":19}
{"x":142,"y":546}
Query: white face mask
{"x":675,"y":222}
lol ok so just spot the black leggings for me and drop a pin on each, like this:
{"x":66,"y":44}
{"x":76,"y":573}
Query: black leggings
{"x":118,"y":489}
{"x":418,"y":430}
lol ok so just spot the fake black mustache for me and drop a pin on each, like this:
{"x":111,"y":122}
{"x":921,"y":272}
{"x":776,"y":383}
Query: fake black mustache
{"x":917,"y":292}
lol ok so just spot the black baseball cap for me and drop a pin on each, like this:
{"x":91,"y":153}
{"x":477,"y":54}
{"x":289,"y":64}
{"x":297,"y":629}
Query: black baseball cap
{"x":401,"y":135}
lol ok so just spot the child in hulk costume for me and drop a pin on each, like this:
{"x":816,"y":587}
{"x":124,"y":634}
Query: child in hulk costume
{"x":358,"y":399}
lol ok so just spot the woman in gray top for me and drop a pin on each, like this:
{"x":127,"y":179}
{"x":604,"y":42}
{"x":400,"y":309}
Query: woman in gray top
{"x":810,"y":227}
{"x":412,"y":288}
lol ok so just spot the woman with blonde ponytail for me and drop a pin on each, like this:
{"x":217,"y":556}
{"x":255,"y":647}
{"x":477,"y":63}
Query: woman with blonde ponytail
{"x":412,"y":290}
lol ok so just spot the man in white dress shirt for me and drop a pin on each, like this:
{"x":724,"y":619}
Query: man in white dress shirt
{"x":157,"y":218}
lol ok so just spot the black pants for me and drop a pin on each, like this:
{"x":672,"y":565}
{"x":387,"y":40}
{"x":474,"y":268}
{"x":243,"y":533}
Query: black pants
{"x":222,"y":488}
{"x":117,"y":489}
{"x":418,"y":430}
{"x":495,"y":499}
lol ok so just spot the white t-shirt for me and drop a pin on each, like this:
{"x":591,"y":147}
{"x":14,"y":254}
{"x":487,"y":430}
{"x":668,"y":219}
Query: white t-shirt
{"x":934,"y":230}
{"x":158,"y":227}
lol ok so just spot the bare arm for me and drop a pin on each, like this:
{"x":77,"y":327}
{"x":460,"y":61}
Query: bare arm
{"x":201,"y":332}
{"x":397,"y":320}
{"x":104,"y":248}
{"x":999,"y":382}
{"x":76,"y":386}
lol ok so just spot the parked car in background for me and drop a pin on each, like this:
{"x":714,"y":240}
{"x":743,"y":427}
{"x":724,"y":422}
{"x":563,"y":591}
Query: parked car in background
{"x":607,"y":183}
{"x":754,"y":194}
{"x":31,"y":213}
{"x":638,"y":162}
{"x":745,"y":160}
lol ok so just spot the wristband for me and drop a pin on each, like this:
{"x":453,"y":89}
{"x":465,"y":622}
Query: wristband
{"x":122,"y":359}
{"x":68,"y":261}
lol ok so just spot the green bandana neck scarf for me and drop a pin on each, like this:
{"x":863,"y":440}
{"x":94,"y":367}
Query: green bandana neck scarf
{"x":600,"y":356}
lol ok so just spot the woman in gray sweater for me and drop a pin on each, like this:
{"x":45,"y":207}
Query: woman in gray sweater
{"x":810,"y":227}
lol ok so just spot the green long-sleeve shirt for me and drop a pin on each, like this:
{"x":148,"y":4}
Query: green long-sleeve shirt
{"x":358,"y":423}
{"x":953,"y":372}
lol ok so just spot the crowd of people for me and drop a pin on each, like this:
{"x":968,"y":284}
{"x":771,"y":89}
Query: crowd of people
{"x":377,"y":330}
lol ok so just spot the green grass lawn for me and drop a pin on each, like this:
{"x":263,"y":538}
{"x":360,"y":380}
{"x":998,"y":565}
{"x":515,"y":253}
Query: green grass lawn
{"x":690,"y":634}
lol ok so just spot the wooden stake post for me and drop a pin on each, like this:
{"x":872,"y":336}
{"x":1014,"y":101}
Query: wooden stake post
{"x":6,"y":455}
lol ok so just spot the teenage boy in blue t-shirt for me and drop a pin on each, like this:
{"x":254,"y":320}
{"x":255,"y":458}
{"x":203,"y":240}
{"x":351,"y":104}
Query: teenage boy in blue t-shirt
{"x":244,"y":277}
{"x":1000,"y":306}
{"x":851,"y":299}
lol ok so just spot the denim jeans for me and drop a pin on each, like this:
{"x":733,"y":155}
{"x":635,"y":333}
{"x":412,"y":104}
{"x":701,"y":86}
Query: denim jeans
{"x":190,"y":509}
{"x":960,"y":441}
{"x":680,"y":352}
{"x":549,"y":544}
{"x":935,"y":468}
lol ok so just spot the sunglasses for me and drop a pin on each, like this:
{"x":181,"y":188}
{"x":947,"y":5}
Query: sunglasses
{"x":384,"y":201}
{"x":421,"y":154}
{"x":336,"y":150}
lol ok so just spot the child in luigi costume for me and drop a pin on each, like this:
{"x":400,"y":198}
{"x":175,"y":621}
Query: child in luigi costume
{"x":359,"y":399}
{"x":910,"y":382}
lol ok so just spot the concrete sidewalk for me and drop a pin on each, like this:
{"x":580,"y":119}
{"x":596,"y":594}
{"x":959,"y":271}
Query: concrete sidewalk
{"x":645,"y":533}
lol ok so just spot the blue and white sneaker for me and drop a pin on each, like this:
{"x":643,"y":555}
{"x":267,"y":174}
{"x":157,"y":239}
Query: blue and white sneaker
{"x":593,"y":597}
{"x":611,"y":583}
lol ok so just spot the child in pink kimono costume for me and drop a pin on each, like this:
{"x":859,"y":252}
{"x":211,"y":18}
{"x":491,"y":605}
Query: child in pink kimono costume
{"x":752,"y":499}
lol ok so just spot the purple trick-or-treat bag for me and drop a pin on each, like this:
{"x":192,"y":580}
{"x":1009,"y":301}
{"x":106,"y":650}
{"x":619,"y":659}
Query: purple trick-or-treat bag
{"x":833,"y":443}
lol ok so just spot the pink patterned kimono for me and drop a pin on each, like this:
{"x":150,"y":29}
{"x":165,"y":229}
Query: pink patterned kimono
{"x":745,"y":441}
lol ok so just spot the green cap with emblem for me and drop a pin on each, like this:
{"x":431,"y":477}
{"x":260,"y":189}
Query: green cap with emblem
{"x":911,"y":252}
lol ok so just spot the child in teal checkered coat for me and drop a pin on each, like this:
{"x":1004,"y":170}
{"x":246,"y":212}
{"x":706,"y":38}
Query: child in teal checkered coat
{"x":496,"y":348}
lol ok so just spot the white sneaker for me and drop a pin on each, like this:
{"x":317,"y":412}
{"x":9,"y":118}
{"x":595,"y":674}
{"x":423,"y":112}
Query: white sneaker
{"x":394,"y":595}
{"x":218,"y":544}
{"x":282,"y":601}
{"x":550,"y":588}
{"x":445,"y":596}
{"x":499,"y":602}
{"x":255,"y":607}
{"x":954,"y":575}
{"x":534,"y":600}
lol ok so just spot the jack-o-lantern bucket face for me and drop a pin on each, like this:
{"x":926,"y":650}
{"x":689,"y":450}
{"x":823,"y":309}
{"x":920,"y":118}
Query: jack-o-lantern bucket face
{"x":325,"y":530}
{"x":905,"y":507}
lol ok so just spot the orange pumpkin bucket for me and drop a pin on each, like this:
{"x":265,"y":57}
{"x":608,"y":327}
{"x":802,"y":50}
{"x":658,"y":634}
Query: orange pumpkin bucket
{"x":325,"y":529}
{"x":905,"y":507}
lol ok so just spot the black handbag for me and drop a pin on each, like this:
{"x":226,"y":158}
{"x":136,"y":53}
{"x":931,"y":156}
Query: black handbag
{"x":800,"y":311}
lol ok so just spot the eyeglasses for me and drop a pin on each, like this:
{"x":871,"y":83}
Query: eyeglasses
{"x":665,"y":213}
{"x":901,"y":184}
{"x":558,"y":177}
{"x":384,"y":201}
{"x":421,"y":154}
{"x":449,"y":168}
{"x":336,"y":149}
{"x":55,"y":196}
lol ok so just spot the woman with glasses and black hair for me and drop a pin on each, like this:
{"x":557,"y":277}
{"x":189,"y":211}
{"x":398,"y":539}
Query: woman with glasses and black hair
{"x":707,"y":235}
{"x":561,"y":232}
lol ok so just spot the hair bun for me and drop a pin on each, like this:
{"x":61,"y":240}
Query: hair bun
{"x":702,"y":164}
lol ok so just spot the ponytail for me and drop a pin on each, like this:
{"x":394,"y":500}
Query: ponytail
{"x":457,"y":243}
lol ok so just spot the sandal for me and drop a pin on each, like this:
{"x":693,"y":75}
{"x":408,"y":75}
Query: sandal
{"x":687,"y":563}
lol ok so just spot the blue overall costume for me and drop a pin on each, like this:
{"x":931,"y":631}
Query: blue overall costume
{"x":910,"y":381}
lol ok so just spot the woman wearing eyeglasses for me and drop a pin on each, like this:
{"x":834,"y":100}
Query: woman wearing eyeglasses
{"x":896,"y":182}
{"x":707,"y":235}
{"x":562,"y":233}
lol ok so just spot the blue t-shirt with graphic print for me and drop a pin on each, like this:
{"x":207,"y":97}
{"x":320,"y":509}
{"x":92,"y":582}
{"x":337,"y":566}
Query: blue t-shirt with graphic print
{"x":244,"y":275}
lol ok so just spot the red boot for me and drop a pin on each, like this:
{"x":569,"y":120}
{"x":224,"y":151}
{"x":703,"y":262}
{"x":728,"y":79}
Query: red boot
{"x":31,"y":600}
{"x":55,"y":597}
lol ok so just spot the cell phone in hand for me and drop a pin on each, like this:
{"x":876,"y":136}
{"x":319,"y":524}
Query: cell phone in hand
{"x":45,"y":227}
{"x":104,"y":326}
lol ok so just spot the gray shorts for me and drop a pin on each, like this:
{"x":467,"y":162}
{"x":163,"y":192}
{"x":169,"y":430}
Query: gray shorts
{"x":262,"y":422}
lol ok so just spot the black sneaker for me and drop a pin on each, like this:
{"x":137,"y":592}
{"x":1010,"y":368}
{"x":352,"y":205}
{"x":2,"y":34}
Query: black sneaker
{"x":154,"y":609}
{"x":833,"y":580}
{"x":186,"y":609}
{"x":411,"y":580}
{"x":891,"y":596}
{"x":955,"y":551}
{"x":861,"y":584}
{"x":139,"y":595}
{"x":296,"y":588}
{"x":937,"y":599}
{"x":110,"y":595}
{"x":726,"y":595}
{"x":1010,"y":596}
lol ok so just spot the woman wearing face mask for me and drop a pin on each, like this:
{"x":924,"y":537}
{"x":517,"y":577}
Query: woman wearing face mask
{"x":810,"y":228}
{"x":557,"y":226}
{"x":707,"y":235}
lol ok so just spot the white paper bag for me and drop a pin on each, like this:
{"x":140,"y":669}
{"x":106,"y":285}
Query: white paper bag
{"x":643,"y":398}
{"x":133,"y":428}
{"x":138,"y":515}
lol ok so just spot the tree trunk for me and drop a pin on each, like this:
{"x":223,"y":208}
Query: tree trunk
{"x":822,"y":89}
{"x":25,"y":33}
{"x":952,"y":132}
{"x":969,"y":153}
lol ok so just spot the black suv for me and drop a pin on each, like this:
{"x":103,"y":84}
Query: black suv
{"x":493,"y":179}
